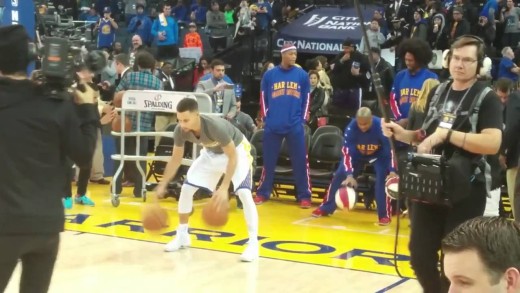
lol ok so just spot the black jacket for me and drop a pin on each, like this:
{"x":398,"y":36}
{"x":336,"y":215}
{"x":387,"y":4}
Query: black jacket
{"x":37,"y":134}
{"x":341,"y":76}
{"x":510,"y":142}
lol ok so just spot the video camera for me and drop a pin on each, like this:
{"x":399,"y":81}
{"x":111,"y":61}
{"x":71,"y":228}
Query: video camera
{"x":61,"y":58}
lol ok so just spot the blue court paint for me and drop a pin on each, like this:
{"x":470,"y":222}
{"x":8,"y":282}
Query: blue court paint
{"x":391,"y":286}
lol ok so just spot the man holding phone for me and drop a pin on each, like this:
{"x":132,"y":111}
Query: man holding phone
{"x":221,"y":92}
{"x":350,"y":75}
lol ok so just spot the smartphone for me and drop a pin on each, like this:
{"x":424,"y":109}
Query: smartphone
{"x":229,"y":87}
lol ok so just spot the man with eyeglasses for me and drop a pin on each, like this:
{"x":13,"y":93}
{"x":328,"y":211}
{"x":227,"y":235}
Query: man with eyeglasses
{"x":454,"y":139}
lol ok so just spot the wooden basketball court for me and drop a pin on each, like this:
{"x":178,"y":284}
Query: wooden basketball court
{"x":106,"y":250}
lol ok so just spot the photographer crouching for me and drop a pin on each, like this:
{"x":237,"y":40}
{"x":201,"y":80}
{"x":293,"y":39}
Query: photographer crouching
{"x":462,"y":125}
{"x":39,"y":131}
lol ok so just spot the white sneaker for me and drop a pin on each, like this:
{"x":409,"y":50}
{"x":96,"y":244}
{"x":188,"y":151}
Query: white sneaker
{"x":251,"y":253}
{"x":182,"y":240}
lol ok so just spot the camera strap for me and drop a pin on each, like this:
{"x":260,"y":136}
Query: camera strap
{"x":434,"y":114}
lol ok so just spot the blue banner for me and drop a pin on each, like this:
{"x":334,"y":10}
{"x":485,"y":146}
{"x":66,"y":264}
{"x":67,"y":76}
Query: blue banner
{"x":323,"y":29}
{"x":19,"y":12}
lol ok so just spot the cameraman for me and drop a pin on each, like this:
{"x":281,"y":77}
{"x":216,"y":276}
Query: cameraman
{"x":38,"y":133}
{"x":429,"y":222}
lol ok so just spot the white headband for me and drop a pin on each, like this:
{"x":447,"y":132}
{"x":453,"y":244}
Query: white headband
{"x":288,"y":48}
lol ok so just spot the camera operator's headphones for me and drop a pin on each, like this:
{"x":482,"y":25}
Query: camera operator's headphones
{"x":481,"y":54}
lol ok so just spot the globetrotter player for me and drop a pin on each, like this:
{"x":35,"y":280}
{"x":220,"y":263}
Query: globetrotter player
{"x":284,"y":104}
{"x":364,"y":143}
{"x":226,"y":152}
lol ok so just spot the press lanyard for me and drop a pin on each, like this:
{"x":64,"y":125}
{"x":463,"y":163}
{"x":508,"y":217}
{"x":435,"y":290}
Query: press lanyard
{"x":461,"y":101}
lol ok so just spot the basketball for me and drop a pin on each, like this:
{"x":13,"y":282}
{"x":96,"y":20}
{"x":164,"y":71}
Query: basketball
{"x":392,"y":187}
{"x":215,"y":215}
{"x":116,"y":124}
{"x":345,"y":198}
{"x":154,"y":217}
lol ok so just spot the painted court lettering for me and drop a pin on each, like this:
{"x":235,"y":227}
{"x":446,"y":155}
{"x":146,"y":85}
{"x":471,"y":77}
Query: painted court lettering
{"x":321,"y":248}
{"x":382,"y":258}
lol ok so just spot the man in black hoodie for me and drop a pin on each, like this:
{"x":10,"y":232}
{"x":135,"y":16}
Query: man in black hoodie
{"x":37,"y":133}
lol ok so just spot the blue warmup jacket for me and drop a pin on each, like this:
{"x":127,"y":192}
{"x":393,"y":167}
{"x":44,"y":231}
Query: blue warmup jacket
{"x":171,"y":29}
{"x":406,"y":89}
{"x":366,"y":146}
{"x":284,"y":99}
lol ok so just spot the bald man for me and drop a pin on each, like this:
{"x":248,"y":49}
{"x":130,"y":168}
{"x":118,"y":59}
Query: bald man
{"x":364,"y":144}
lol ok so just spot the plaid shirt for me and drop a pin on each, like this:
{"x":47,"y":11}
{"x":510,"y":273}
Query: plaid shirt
{"x":141,"y":80}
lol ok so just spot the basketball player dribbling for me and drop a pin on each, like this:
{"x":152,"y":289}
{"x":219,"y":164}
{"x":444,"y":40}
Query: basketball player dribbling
{"x":226,"y":152}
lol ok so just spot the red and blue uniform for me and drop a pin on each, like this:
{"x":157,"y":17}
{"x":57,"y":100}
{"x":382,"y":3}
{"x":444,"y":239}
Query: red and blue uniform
{"x":406,"y":89}
{"x":284,"y":104}
{"x":359,"y":149}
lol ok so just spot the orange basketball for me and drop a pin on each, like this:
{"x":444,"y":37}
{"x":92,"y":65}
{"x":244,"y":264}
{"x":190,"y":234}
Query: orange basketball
{"x":116,"y":124}
{"x":214,"y":214}
{"x":154,"y":218}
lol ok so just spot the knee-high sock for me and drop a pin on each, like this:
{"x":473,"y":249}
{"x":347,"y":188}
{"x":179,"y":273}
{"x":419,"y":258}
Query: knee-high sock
{"x":250,"y":213}
{"x":186,"y":198}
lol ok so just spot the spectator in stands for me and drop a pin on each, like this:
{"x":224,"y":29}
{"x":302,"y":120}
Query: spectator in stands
{"x":141,"y":24}
{"x":140,"y":80}
{"x":510,"y":17}
{"x":316,"y":109}
{"x":264,"y":15}
{"x":487,"y":32}
{"x":483,"y":255}
{"x":217,"y":26}
{"x":399,"y":9}
{"x":364,"y":143}
{"x":375,"y":38}
{"x":277,"y":8}
{"x":315,"y":64}
{"x":383,"y":25}
{"x":166,"y":30}
{"x":467,"y":9}
{"x":221,"y":92}
{"x":131,"y":8}
{"x":181,"y":12}
{"x":460,"y":26}
{"x":229,"y":14}
{"x":192,"y":38}
{"x":506,"y":68}
{"x":490,"y":11}
{"x":137,"y":44}
{"x":396,"y":36}
{"x":437,"y":37}
{"x":349,"y":77}
{"x":201,"y":70}
{"x":268,"y":65}
{"x":198,"y":12}
{"x":106,"y":28}
{"x":419,"y":28}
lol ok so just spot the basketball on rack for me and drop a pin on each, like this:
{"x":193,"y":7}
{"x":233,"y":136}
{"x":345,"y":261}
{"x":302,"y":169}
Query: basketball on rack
{"x":215,"y":214}
{"x":154,"y":218}
{"x":345,"y":198}
{"x":116,"y":124}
